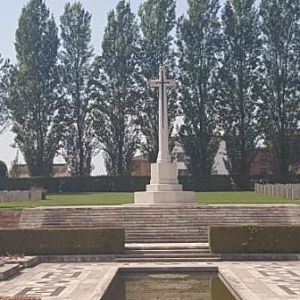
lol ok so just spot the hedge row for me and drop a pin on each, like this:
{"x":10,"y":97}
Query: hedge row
{"x":254,"y":239}
{"x":131,"y":184}
{"x":62,"y":241}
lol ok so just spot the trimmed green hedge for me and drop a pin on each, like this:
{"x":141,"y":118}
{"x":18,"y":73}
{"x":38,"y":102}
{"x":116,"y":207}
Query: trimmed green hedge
{"x":138,"y":183}
{"x":254,"y":238}
{"x":62,"y":241}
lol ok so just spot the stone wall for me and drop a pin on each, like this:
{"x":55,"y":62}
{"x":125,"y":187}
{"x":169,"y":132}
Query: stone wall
{"x":9,"y":219}
{"x":18,"y":196}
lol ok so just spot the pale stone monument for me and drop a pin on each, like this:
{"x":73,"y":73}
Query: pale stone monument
{"x":164,"y":187}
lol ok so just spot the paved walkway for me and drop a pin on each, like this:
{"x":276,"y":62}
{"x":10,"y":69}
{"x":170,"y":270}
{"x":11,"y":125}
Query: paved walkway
{"x":77,"y":281}
{"x":263,"y":280}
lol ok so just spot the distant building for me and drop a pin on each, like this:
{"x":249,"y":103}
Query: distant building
{"x":262,"y":164}
{"x":141,"y":166}
{"x":22,"y":171}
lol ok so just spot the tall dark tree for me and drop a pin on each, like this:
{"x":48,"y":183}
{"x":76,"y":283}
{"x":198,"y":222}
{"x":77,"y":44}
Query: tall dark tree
{"x":238,"y":83}
{"x":4,"y":77}
{"x":157,"y":20}
{"x":33,"y":98}
{"x":115,"y":88}
{"x":198,"y":50}
{"x":76,"y":59}
{"x":280,"y":111}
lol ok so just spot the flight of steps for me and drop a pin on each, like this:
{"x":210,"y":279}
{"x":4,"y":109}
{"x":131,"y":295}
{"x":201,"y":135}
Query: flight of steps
{"x":159,"y":224}
{"x":192,"y":252}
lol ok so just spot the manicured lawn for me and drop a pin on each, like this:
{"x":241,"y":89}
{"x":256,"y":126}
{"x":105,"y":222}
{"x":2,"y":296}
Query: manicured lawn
{"x":240,"y":198}
{"x":126,"y":198}
{"x":74,"y":199}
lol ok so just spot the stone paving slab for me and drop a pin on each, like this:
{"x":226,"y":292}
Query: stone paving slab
{"x":263,"y":280}
{"x":88,"y":281}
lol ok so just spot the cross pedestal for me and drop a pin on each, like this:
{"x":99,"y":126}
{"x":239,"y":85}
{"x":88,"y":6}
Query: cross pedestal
{"x":164,"y":187}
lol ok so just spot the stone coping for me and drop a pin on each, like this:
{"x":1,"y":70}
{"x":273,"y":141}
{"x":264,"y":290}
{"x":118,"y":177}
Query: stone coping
{"x":9,"y":270}
{"x":25,"y":262}
{"x":238,"y":288}
{"x":261,"y":257}
{"x":113,"y":257}
{"x":105,"y":283}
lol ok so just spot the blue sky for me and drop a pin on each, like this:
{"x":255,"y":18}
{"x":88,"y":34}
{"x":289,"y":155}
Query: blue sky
{"x":11,"y":9}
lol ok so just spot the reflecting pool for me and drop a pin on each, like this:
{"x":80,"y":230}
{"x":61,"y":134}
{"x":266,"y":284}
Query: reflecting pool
{"x":162,"y":286}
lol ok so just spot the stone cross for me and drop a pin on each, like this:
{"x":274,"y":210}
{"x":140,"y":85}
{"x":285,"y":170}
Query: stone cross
{"x":163,"y":83}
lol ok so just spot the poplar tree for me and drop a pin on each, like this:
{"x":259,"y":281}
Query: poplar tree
{"x":116,"y":91}
{"x":238,"y":83}
{"x":280,"y":110}
{"x":76,"y":59}
{"x":33,"y":97}
{"x":157,"y":21}
{"x":198,"y":40}
{"x":4,"y":73}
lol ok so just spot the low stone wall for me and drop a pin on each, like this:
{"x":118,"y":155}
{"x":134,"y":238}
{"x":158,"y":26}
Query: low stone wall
{"x":10,"y":219}
{"x":288,"y":191}
{"x":19,"y":196}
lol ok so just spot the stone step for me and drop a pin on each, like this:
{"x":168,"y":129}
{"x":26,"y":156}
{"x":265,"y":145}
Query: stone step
{"x":158,"y":224}
{"x":166,"y":214}
{"x":168,"y":255}
{"x":161,"y":235}
{"x":168,"y":240}
{"x":167,"y":246}
{"x":168,"y":259}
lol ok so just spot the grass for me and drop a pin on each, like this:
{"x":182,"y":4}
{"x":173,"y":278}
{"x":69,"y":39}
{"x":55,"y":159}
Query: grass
{"x":126,"y":198}
{"x":240,"y":198}
{"x":73,"y":200}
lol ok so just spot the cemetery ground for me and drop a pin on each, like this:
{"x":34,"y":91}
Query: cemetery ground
{"x":80,"y":199}
{"x":147,"y":239}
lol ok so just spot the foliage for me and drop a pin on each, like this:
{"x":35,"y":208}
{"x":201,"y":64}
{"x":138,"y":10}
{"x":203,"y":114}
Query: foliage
{"x":238,"y":83}
{"x":254,"y":238}
{"x":198,"y":38}
{"x":33,"y":95}
{"x":76,"y":55}
{"x":157,"y":20}
{"x":115,"y":89}
{"x":3,"y":169}
{"x":280,"y":110}
{"x":62,"y":241}
{"x":4,"y":72}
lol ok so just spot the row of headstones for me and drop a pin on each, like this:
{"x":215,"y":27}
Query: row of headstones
{"x":32,"y":195}
{"x":288,"y":191}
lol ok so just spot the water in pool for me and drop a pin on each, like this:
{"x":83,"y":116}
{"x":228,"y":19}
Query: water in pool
{"x":167,"y":287}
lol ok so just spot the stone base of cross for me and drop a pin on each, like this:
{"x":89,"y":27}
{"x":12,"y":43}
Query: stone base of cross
{"x":164,"y":187}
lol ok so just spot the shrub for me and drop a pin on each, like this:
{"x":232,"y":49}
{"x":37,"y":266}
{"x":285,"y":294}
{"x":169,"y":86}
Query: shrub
{"x":136,"y":183}
{"x":254,"y":238}
{"x":62,"y":241}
